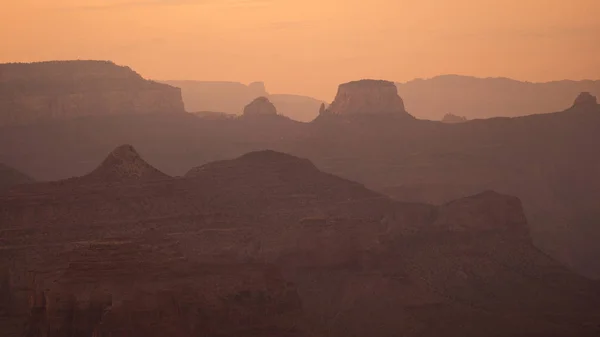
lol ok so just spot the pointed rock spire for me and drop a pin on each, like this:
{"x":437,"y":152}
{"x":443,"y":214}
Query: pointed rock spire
{"x":124,"y":163}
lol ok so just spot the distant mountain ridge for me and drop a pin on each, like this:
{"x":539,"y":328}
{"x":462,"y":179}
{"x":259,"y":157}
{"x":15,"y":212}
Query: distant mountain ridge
{"x":232,"y":97}
{"x":474,"y":97}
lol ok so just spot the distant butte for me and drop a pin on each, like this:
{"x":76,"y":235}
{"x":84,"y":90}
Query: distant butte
{"x":367,"y":97}
{"x":260,"y":106}
{"x":585,"y":100}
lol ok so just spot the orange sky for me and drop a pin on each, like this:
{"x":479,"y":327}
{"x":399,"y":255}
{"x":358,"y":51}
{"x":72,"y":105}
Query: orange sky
{"x":310,"y":46}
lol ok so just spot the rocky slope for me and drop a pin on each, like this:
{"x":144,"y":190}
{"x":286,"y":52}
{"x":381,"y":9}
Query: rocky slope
{"x":10,"y":177}
{"x":70,"y":89}
{"x":488,"y":97}
{"x":268,"y":245}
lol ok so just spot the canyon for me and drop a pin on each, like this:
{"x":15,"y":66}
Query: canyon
{"x":267,"y":244}
{"x":364,"y":221}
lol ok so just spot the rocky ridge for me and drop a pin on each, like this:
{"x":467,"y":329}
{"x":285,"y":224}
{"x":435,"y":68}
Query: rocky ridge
{"x":266,"y":244}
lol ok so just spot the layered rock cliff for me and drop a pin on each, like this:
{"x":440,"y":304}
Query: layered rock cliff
{"x":367,"y":97}
{"x":67,"y":89}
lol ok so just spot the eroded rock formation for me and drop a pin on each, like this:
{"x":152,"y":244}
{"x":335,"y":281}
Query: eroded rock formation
{"x":260,"y":106}
{"x":68,"y":89}
{"x":122,"y":164}
{"x":268,"y":245}
{"x":585,"y":100}
{"x":367,"y":97}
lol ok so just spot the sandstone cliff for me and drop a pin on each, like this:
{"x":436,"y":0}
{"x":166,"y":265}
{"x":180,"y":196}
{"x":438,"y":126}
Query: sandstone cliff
{"x":69,"y":89}
{"x":367,"y":97}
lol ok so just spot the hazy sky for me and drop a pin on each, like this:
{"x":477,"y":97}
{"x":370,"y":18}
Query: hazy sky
{"x":310,"y":46}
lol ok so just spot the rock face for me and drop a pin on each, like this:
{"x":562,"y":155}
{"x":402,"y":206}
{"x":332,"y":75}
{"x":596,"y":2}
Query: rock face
{"x":367,"y":97}
{"x":260,"y":106}
{"x":585,"y":100}
{"x":69,"y":89}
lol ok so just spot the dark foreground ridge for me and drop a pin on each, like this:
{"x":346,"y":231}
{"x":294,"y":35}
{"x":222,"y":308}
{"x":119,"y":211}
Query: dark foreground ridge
{"x":266,"y":244}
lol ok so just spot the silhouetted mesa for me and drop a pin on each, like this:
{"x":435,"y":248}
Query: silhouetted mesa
{"x":30,"y":92}
{"x":367,"y":97}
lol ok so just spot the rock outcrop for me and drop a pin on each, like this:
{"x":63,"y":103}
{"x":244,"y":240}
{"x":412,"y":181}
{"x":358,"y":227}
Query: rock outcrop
{"x":68,"y":89}
{"x":585,"y":100}
{"x":452,"y":118}
{"x":124,"y":164}
{"x":260,"y":106}
{"x":367,"y":97}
